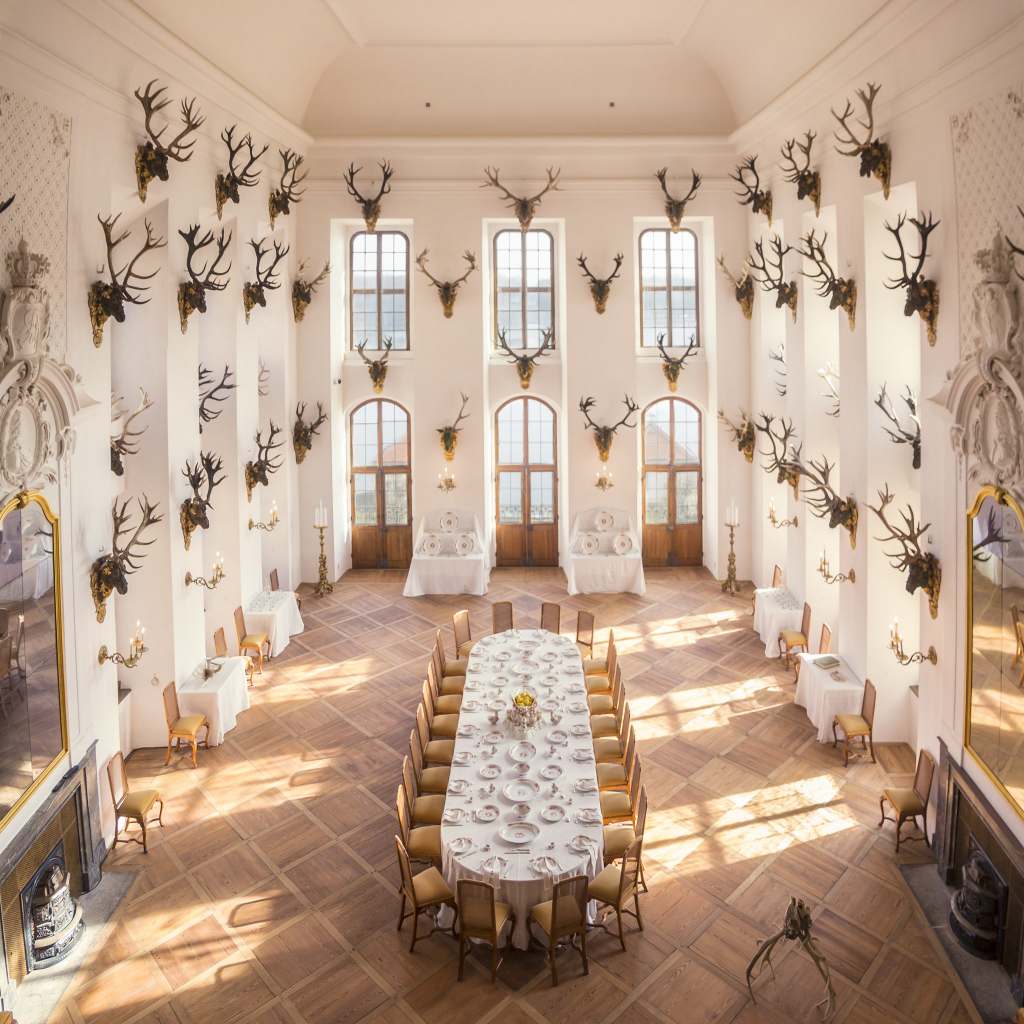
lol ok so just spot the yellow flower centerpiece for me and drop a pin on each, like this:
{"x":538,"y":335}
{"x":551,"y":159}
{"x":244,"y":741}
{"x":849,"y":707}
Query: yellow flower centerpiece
{"x":524,"y":714}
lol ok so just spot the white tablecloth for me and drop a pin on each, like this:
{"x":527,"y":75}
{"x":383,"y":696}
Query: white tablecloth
{"x":276,"y":613}
{"x":823,"y":696}
{"x":448,"y":572}
{"x":775,"y":609}
{"x":500,"y":665}
{"x":220,"y":698}
{"x":604,"y":572}
{"x":26,"y":581}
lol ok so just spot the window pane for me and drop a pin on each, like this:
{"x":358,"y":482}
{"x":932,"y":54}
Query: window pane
{"x":668,"y":287}
{"x":365,"y":499}
{"x":655,"y":498}
{"x":364,"y":435}
{"x":380,"y":289}
{"x":687,"y":434}
{"x":656,"y":434}
{"x":542,"y":496}
{"x":395,"y":435}
{"x":523,"y":282}
{"x":541,"y":429}
{"x":510,"y":497}
{"x":686,"y":496}
{"x":510,"y":433}
{"x":396,"y":499}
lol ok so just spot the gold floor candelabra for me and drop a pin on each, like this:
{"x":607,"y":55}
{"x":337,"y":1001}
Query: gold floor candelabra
{"x":323,"y":584}
{"x":729,"y":585}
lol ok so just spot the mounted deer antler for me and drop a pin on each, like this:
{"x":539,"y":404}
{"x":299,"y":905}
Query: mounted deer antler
{"x":377,"y":368}
{"x":254,"y":293}
{"x":675,"y":208}
{"x":108,"y":298}
{"x":743,"y":288}
{"x":110,"y":572}
{"x":778,"y":457}
{"x":922,"y":293}
{"x":524,"y":207}
{"x":875,"y":155}
{"x":447,"y":291}
{"x":303,"y":290}
{"x":263,"y":379}
{"x":450,"y":433}
{"x":125,"y":443}
{"x":899,"y":434}
{"x":1014,"y":248}
{"x":604,"y":435}
{"x":211,"y":277}
{"x":830,"y":375}
{"x":672,"y":366}
{"x":152,"y":157}
{"x":759,"y":200}
{"x":821,"y":495}
{"x":524,"y":363}
{"x":922,"y":567}
{"x":287,"y":192}
{"x":4,"y":203}
{"x":303,"y":432}
{"x":769,"y":273}
{"x":841,"y":292}
{"x":600,"y":287}
{"x":808,"y":182}
{"x":370,"y":207}
{"x":229,"y":183}
{"x":258,"y":470}
{"x":993,"y":535}
{"x":211,"y":394}
{"x":778,"y":355}
{"x":743,"y":433}
{"x":194,"y":512}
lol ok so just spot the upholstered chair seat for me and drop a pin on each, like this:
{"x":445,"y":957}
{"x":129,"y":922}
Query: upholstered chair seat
{"x":904,"y":801}
{"x":793,"y":638}
{"x":427,"y":809}
{"x":448,"y":704}
{"x":615,"y":806}
{"x":617,"y":840}
{"x":435,"y":780}
{"x":853,"y":725}
{"x":543,"y":912}
{"x":431,"y":888}
{"x":424,"y":843}
{"x":132,"y":805}
{"x":137,"y":804}
{"x":444,"y":727}
{"x":606,"y":886}
{"x":453,"y":685}
{"x":595,"y":666}
{"x":607,"y":749}
{"x":601,"y":704}
{"x":604,"y":725}
{"x":439,"y":752}
{"x":598,"y":684}
{"x":611,"y":776}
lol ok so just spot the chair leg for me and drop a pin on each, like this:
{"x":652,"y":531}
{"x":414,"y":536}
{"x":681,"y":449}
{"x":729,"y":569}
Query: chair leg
{"x":583,"y":951}
{"x":494,"y":962}
{"x":899,"y":829}
{"x":415,"y":926}
{"x":551,"y":957}
{"x":881,"y":808}
{"x":462,"y":955}
{"x":846,"y":750}
{"x":636,"y":907}
{"x":835,"y":736}
{"x":622,"y":937}
{"x":927,"y":841}
{"x":160,"y":816}
{"x":871,"y":744}
{"x":145,"y":846}
{"x":401,"y":912}
{"x":194,"y":744}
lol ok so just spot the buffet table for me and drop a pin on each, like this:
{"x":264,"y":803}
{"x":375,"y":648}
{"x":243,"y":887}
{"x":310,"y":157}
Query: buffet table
{"x":604,"y":554}
{"x":276,"y":613}
{"x":523,"y":814}
{"x":826,"y":689}
{"x":448,"y":556}
{"x":775,"y":609}
{"x":221,"y":698}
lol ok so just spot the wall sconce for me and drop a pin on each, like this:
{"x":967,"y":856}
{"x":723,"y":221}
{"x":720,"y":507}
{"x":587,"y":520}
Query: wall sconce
{"x":211,"y":583}
{"x":446,"y":479}
{"x":896,"y":646}
{"x":773,"y":517}
{"x":840,"y":577}
{"x":269,"y":524}
{"x":603,"y":481}
{"x":136,"y":649}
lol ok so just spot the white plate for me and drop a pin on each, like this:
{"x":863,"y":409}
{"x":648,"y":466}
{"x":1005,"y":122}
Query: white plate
{"x":458,"y":786}
{"x":525,"y":668}
{"x":453,"y":815}
{"x":496,"y":705}
{"x":519,"y":832}
{"x":623,"y":543}
{"x":549,"y":656}
{"x":493,"y":737}
{"x":524,"y":750}
{"x":449,"y":521}
{"x":460,"y":845}
{"x":551,"y":772}
{"x":487,"y":814}
{"x":604,"y":520}
{"x":522,"y":768}
{"x":581,"y":755}
{"x":528,"y":645}
{"x":549,"y":705}
{"x":577,"y":707}
{"x":521,"y":790}
{"x":588,"y":816}
{"x":581,"y":844}
{"x":585,"y":786}
{"x":462,"y":757}
{"x":553,"y":813}
{"x":558,"y":736}
{"x":469,"y":729}
{"x":588,"y":544}
{"x":470,"y":705}
{"x":503,"y":655}
{"x":490,"y":771}
{"x":580,"y":729}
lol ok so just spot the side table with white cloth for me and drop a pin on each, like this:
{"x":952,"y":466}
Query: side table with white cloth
{"x":775,"y":609}
{"x":221,"y":697}
{"x":523,"y":811}
{"x":448,"y":556}
{"x":276,"y":613}
{"x":827,"y":687}
{"x":605,"y":555}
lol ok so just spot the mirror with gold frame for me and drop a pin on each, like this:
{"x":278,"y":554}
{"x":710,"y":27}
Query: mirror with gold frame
{"x":994,"y":720}
{"x":33,"y":724}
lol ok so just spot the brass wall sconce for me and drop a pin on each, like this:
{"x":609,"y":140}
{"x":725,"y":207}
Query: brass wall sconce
{"x":840,"y":577}
{"x":604,"y":480}
{"x":270,"y":524}
{"x":896,"y":646}
{"x":446,"y":479}
{"x":778,"y":523}
{"x":136,"y":649}
{"x":215,"y":578}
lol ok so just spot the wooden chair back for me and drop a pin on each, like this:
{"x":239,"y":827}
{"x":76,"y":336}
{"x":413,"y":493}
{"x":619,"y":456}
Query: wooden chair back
{"x":117,"y":776}
{"x":422,"y":726}
{"x":409,"y":781}
{"x":585,"y":630}
{"x":402,"y":810}
{"x":240,"y":630}
{"x":405,"y":867}
{"x":220,"y":643}
{"x":476,"y":910}
{"x":630,"y":751}
{"x":416,"y":753}
{"x":640,"y":821}
{"x":777,"y":575}
{"x":867,"y":708}
{"x":551,"y":617}
{"x":805,"y":621}
{"x":624,"y":728}
{"x":923,"y":775}
{"x":460,"y":624}
{"x":439,"y":648}
{"x":501,"y":616}
{"x":634,"y":783}
{"x":427,"y":702}
{"x":613,"y":657}
{"x":432,"y":681}
{"x":569,"y":907}
{"x":171,"y":711}
{"x":630,"y":870}
{"x":275,"y":583}
{"x":825,"y":640}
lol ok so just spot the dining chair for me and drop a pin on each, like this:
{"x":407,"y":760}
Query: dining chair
{"x":426,"y":892}
{"x":422,"y":841}
{"x":275,"y":584}
{"x":220,"y":650}
{"x":792,"y":640}
{"x":616,"y":887}
{"x":909,"y":803}
{"x":620,"y":804}
{"x":463,"y":636}
{"x":614,"y":774}
{"x":564,"y":916}
{"x":435,"y":752}
{"x":251,"y":641}
{"x":825,"y":639}
{"x":861,"y":725}
{"x":602,"y":683}
{"x":776,"y":583}
{"x":613,"y":748}
{"x":425,"y":808}
{"x":608,"y":703}
{"x":609,"y":723}
{"x":442,"y":727}
{"x":599,"y":666}
{"x":132,"y":805}
{"x":429,"y":778}
{"x":450,"y":670}
{"x":551,"y":617}
{"x":501,"y":616}
{"x":481,"y":917}
{"x":585,"y":632}
{"x":182,"y":727}
{"x":444,"y":703}
{"x":618,"y":837}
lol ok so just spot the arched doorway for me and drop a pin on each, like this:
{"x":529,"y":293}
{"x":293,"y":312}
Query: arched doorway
{"x":381,"y":486}
{"x":526,"y":499}
{"x":672,"y":507}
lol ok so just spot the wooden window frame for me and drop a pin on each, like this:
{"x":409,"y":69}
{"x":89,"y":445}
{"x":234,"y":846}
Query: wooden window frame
{"x":671,"y":341}
{"x":525,"y":467}
{"x":380,"y":470}
{"x":523,"y":289}
{"x":379,"y":291}
{"x":672,"y":468}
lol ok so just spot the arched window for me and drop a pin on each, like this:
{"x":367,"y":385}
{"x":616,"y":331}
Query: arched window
{"x":526,"y":483}
{"x":379,"y":289}
{"x":381,"y":491}
{"x":668,"y":287}
{"x":524,"y":288}
{"x":672,"y":483}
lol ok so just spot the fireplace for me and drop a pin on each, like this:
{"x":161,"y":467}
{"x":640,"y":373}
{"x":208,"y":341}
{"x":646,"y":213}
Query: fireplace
{"x":977,"y":910}
{"x":51,"y":918}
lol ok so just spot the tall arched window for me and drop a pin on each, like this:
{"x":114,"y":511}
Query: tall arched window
{"x":672,"y":483}
{"x":379,"y":289}
{"x":524,"y":288}
{"x":526,"y":483}
{"x":668,"y":287}
{"x":381,"y":491}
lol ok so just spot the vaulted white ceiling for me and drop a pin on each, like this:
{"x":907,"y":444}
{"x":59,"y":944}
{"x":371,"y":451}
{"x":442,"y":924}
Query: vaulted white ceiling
{"x":532,"y":67}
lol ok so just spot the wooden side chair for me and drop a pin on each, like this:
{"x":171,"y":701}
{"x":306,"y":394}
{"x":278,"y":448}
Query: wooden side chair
{"x":424,"y":809}
{"x":422,"y":841}
{"x":910,"y":803}
{"x":615,"y":775}
{"x":463,"y":636}
{"x":609,"y":723}
{"x":825,"y":639}
{"x":776,"y":583}
{"x":793,"y":640}
{"x":275,"y":584}
{"x":481,"y":917}
{"x":220,"y":650}
{"x":501,"y":616}
{"x":435,"y":752}
{"x":132,"y":805}
{"x":861,"y":725}
{"x":603,"y":683}
{"x":620,"y":804}
{"x":427,"y":892}
{"x":613,"y":748}
{"x":442,"y":727}
{"x":618,"y":837}
{"x":600,"y":666}
{"x":562,"y":917}
{"x":608,"y":703}
{"x":444,"y":703}
{"x":450,"y":670}
{"x":247,"y":641}
{"x":585,"y":632}
{"x":551,"y":617}
{"x":616,"y":887}
{"x":182,"y":727}
{"x":432,"y":778}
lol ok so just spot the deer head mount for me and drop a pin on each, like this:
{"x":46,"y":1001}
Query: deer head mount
{"x":212,"y":394}
{"x":922,"y":293}
{"x":808,"y":182}
{"x":279,"y":203}
{"x":110,"y":572}
{"x":769,"y":272}
{"x":202,"y":478}
{"x":303,"y":432}
{"x":605,"y":434}
{"x":369,"y":207}
{"x":898,"y":433}
{"x":259,"y":470}
{"x":229,"y":183}
{"x":376,"y":368}
{"x":303,"y":290}
{"x":875,"y":155}
{"x":743,"y":433}
{"x":778,"y":356}
{"x":210,"y":277}
{"x":841,"y":292}
{"x":759,"y":200}
{"x":108,"y":298}
{"x":125,"y":442}
{"x":600,"y":287}
{"x":922,"y":567}
{"x":254,"y":293}
{"x":675,"y":208}
{"x":447,"y":291}
{"x":671,"y":365}
{"x":821,"y":496}
{"x":152,"y":158}
{"x":524,"y":207}
{"x":525,"y":363}
{"x":1014,"y":248}
{"x":780,"y":442}
{"x":993,"y":536}
{"x":830,"y":378}
{"x":450,"y":433}
{"x":743,"y":288}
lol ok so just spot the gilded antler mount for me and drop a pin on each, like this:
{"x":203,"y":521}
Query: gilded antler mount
{"x":922,"y":292}
{"x":743,"y":433}
{"x":303,"y":290}
{"x":875,"y":155}
{"x":194,"y":513}
{"x":758,"y":199}
{"x":447,"y":291}
{"x":807,"y":181}
{"x":259,"y":470}
{"x":600,"y":287}
{"x":524,"y":362}
{"x":152,"y":158}
{"x":675,"y":208}
{"x":821,"y":496}
{"x":841,"y":292}
{"x":254,"y":293}
{"x":524,"y":207}
{"x":769,"y":272}
{"x":672,"y":366}
{"x":743,"y":287}
{"x":110,"y":572}
{"x":449,"y":434}
{"x":229,"y":183}
{"x":369,"y":206}
{"x":377,"y":368}
{"x":210,"y":277}
{"x":604,"y":434}
{"x":303,"y":432}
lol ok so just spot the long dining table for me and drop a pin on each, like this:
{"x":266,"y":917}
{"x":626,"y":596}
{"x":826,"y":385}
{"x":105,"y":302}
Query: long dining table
{"x":523,"y":811}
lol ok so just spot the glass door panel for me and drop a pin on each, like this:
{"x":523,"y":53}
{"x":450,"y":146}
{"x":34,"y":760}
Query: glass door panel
{"x":365,"y":487}
{"x":510,"y":497}
{"x":542,"y":496}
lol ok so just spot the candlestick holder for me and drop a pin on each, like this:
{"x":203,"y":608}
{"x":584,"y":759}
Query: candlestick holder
{"x":446,"y":480}
{"x":839,"y":577}
{"x":780,"y":523}
{"x":201,"y":581}
{"x":603,"y":481}
{"x":896,"y":646}
{"x":323,"y":584}
{"x":137,"y":650}
{"x":269,"y":525}
{"x":729,"y":584}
